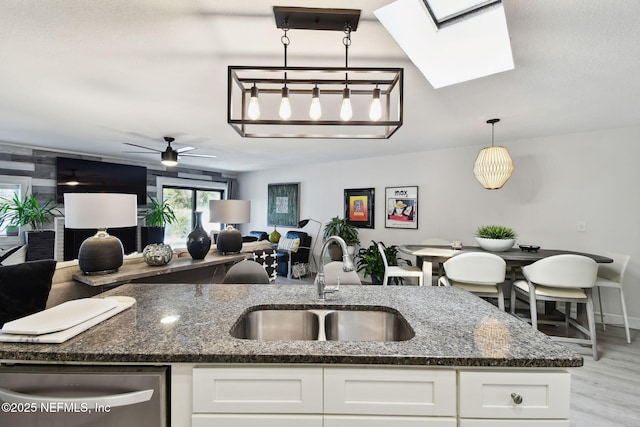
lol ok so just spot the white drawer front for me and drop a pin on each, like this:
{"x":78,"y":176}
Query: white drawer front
{"x":386,"y":421}
{"x":486,"y":394}
{"x":514,"y":423}
{"x":395,"y":391}
{"x":263,"y":420}
{"x":257,"y":390}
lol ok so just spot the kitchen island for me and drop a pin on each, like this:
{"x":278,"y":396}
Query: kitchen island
{"x":462,"y":346}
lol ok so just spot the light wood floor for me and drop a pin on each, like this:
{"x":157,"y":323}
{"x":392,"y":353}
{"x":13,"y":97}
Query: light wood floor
{"x":604,"y":393}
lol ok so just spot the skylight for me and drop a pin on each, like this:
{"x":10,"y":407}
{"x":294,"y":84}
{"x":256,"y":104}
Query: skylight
{"x":445,"y":11}
{"x":474,"y":43}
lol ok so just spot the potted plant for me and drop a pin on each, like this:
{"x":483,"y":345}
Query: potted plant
{"x":156,"y":217}
{"x":495,"y":238}
{"x":340,"y":227}
{"x":369,"y":262}
{"x":28,"y":211}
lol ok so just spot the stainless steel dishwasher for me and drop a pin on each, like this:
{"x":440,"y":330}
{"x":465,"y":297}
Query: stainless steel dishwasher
{"x":74,"y":396}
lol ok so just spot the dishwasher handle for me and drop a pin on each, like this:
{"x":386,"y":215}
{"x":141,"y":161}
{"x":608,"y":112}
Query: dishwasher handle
{"x":112,"y":401}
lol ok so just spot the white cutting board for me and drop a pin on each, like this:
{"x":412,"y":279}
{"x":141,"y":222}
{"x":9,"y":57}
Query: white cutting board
{"x":89,"y":314}
{"x":60,"y":317}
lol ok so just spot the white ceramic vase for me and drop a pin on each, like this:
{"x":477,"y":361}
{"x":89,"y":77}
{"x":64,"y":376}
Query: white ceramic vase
{"x":495,"y":245}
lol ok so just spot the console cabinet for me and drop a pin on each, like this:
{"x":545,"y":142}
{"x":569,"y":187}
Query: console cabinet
{"x":328,"y":396}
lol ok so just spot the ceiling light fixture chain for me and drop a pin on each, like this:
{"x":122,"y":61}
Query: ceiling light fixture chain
{"x":285,"y":105}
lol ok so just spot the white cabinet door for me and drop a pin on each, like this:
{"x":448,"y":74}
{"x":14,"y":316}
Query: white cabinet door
{"x":533,"y":395}
{"x":514,"y":423}
{"x":393,"y":391}
{"x":257,"y":390}
{"x":386,"y":421}
{"x":262,"y":420}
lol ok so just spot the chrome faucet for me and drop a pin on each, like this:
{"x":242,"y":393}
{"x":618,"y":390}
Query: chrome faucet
{"x":347,"y":265}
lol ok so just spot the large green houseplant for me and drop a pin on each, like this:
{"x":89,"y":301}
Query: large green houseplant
{"x":369,"y":262}
{"x":157,"y":216}
{"x":18,"y":212}
{"x":340,"y":227}
{"x":28,"y":211}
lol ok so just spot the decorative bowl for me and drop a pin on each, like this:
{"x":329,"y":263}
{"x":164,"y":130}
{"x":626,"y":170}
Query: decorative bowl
{"x":157,"y":254}
{"x":495,"y":245}
{"x":529,"y":248}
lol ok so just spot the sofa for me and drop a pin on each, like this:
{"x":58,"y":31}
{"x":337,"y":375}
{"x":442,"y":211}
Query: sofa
{"x":64,"y":288}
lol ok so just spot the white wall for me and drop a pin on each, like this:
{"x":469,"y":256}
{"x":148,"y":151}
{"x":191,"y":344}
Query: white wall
{"x":558,"y":181}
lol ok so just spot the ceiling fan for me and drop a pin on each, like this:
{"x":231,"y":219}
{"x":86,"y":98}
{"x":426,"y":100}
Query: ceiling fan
{"x":170,"y":155}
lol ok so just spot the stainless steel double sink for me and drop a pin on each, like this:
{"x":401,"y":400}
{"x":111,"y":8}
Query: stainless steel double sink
{"x":321,"y":324}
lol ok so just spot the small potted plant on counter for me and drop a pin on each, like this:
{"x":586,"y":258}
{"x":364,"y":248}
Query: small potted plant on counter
{"x":495,"y":238}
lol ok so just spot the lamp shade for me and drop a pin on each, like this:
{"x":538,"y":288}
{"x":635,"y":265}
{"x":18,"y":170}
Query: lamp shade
{"x":100,"y":210}
{"x":230,"y":211}
{"x":493,"y":167}
{"x":102,"y":253}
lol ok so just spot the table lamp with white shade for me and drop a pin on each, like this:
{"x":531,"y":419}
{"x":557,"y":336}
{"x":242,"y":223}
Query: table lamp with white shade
{"x":102,"y":253}
{"x":229,"y":212}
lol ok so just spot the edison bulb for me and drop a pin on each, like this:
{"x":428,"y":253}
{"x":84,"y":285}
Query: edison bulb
{"x":315,"y":110}
{"x":346,"y":112}
{"x":285,"y":105}
{"x":375,"y":110}
{"x":253,"y":111}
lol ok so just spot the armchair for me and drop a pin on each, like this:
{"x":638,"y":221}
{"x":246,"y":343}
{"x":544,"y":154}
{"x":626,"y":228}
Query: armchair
{"x":289,"y":253}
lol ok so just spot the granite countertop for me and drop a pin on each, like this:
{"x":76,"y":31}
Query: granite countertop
{"x":452,"y":328}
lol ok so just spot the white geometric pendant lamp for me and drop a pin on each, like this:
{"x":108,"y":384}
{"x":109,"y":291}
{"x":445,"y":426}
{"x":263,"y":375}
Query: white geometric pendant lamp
{"x":494,"y":166}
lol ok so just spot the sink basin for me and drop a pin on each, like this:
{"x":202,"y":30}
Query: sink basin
{"x":350,"y":325}
{"x":322,"y":325}
{"x":277,"y":325}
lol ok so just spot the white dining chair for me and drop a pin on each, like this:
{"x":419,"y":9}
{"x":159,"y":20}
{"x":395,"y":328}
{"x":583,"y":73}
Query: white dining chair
{"x":480,"y":273}
{"x":611,"y":275}
{"x":398,"y":270}
{"x":333,"y":271}
{"x":560,"y":278}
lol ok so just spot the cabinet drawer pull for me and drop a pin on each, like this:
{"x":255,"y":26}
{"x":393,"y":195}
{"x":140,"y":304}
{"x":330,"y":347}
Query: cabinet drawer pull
{"x":517,"y":399}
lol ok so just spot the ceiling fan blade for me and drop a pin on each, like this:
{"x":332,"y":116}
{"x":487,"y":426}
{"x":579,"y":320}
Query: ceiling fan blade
{"x":137,"y":152}
{"x":210,"y":156}
{"x":185,"y":149}
{"x":142,"y":146}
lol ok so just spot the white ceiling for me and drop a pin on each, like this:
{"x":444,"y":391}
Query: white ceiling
{"x":87,"y":76}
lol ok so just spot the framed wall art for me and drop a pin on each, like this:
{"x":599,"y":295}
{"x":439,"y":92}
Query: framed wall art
{"x":359,"y":207}
{"x":401,"y":205}
{"x":283,"y":204}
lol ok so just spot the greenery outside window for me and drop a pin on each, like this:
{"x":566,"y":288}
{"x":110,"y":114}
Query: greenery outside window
{"x":187,"y":197}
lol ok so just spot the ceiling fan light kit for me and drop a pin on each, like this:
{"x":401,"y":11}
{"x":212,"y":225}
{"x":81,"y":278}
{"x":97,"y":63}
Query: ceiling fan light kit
{"x":494,"y":165}
{"x":169,"y":157}
{"x":315,"y":102}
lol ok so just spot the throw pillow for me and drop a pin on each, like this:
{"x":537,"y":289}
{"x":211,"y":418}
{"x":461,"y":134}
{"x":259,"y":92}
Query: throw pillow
{"x":6,"y":254}
{"x":290,"y":245}
{"x":24,"y":288}
{"x":17,"y":255}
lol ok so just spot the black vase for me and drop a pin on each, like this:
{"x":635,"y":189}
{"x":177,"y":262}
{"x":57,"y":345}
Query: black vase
{"x":198,"y":241}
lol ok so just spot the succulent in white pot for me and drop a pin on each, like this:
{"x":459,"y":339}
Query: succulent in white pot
{"x":495,"y":238}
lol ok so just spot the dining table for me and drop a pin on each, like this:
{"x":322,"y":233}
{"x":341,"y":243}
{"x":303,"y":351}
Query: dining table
{"x":428,"y":255}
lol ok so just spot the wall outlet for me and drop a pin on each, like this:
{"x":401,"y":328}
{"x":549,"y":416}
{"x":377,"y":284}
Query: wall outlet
{"x":582,"y":226}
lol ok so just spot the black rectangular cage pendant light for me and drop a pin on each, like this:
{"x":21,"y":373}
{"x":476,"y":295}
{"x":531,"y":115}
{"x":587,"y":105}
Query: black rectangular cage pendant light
{"x":315,"y":102}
